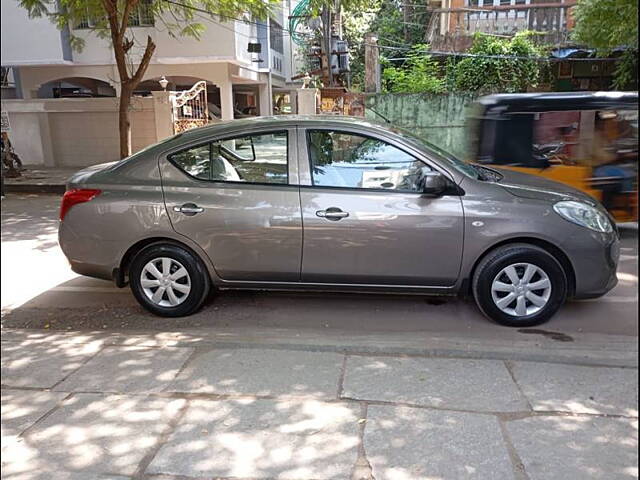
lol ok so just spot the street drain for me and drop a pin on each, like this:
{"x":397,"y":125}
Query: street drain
{"x":557,"y":336}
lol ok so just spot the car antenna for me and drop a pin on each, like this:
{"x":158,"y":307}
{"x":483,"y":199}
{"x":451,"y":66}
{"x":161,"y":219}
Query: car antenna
{"x":380,"y":115}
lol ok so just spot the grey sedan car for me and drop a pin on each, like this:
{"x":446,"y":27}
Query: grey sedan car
{"x":332,"y":204}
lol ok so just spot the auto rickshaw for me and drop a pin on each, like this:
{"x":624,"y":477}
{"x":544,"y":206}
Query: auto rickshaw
{"x":588,"y":140}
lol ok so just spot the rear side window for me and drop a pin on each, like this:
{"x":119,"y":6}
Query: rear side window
{"x":261,"y":159}
{"x":196,"y":161}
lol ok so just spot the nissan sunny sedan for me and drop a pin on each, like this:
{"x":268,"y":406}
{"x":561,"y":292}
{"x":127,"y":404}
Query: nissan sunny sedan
{"x":332,"y":204}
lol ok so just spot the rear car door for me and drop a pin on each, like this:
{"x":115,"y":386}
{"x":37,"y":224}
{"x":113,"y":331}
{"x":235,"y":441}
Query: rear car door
{"x":232,"y":196}
{"x":366,"y":220}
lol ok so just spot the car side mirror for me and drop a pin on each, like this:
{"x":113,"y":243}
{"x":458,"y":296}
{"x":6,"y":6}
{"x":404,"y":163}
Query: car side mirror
{"x":434,"y":183}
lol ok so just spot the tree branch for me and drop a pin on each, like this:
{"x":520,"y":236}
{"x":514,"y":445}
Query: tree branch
{"x":129,"y":5}
{"x":111,"y":8}
{"x":144,"y":63}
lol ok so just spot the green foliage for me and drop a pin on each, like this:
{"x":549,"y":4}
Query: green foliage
{"x":390,"y":24}
{"x":386,"y":19}
{"x":489,"y":72}
{"x":354,"y":27}
{"x":419,"y":74}
{"x":178,"y":19}
{"x":625,"y":76}
{"x":608,"y":24}
{"x":351,"y":6}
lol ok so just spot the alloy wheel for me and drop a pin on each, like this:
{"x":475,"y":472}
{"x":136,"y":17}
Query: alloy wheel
{"x":165,"y":282}
{"x":521,"y":289}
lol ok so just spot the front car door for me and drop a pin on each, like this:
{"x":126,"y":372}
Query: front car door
{"x":233,"y":197}
{"x":365,"y":218}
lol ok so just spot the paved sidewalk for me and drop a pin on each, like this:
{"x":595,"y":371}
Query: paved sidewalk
{"x":107,"y":406}
{"x":38,"y":179}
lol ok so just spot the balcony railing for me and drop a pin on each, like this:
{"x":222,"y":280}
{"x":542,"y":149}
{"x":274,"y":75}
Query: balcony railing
{"x":449,"y":27}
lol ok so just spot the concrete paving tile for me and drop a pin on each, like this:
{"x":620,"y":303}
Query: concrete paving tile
{"x":579,"y":389}
{"x":91,"y":434}
{"x":275,"y":439}
{"x":261,"y":372}
{"x":478,"y":385}
{"x":404,"y":443}
{"x":19,"y":462}
{"x":127,"y":369}
{"x":563,"y":447}
{"x":42,"y":365}
{"x":21,"y":408}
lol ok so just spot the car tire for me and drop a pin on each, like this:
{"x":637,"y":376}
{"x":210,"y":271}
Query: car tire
{"x":519,"y":285}
{"x":169,"y":280}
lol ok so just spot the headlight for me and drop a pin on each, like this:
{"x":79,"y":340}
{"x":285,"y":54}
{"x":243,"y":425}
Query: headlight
{"x":584,"y":215}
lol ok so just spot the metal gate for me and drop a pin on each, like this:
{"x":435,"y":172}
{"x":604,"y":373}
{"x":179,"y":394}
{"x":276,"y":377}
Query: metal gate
{"x":190,"y":109}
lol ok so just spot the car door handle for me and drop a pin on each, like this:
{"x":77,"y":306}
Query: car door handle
{"x":188,"y":209}
{"x":332,"y":213}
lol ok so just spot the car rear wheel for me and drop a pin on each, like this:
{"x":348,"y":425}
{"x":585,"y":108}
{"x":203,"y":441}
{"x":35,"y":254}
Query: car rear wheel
{"x":519,"y":285}
{"x":168,"y":280}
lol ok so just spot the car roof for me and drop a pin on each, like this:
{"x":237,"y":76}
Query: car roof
{"x":278,"y":121}
{"x":558,"y":101}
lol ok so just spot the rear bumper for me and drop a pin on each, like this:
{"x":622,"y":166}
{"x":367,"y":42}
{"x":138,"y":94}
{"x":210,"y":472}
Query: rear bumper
{"x":89,"y":270}
{"x":81,"y":252}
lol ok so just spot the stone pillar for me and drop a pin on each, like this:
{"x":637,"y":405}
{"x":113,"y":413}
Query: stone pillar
{"x":48,"y":159}
{"x":266,"y":99}
{"x":293,"y":96}
{"x":226,"y":100}
{"x":308,"y":100}
{"x":162,"y":113}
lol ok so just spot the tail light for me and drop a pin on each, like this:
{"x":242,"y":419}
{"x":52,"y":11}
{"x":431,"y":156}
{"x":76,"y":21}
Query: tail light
{"x":74,"y":197}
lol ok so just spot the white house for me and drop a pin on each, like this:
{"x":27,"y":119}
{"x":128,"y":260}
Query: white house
{"x":43,"y":64}
{"x":247,"y":66}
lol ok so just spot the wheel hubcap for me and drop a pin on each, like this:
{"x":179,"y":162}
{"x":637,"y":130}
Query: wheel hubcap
{"x":521,"y":289}
{"x":165,"y":282}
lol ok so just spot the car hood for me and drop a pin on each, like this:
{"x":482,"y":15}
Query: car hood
{"x":525,"y":185}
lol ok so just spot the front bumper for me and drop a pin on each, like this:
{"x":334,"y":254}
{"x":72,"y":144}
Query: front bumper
{"x":594,"y":257}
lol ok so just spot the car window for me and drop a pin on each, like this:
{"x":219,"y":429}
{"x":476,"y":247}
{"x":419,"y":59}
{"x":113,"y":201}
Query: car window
{"x":251,"y":158}
{"x":195,"y":161}
{"x":347,"y":160}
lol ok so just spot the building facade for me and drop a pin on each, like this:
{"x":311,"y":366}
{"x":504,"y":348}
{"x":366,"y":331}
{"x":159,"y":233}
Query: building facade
{"x":246,"y":65}
{"x":38,"y":61}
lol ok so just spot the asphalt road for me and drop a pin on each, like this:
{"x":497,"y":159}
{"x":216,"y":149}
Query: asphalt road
{"x":40,"y":291}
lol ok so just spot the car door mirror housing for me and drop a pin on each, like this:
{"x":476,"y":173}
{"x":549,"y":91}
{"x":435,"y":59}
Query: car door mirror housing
{"x":435,"y":183}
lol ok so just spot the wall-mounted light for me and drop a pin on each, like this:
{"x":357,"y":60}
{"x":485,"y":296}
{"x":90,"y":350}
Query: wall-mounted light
{"x":163,"y":83}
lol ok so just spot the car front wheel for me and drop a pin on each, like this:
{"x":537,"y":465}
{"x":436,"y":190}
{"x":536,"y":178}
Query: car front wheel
{"x":168,"y":280}
{"x":519,"y":285}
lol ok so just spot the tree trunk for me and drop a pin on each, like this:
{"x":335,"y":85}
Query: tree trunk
{"x":124,"y":123}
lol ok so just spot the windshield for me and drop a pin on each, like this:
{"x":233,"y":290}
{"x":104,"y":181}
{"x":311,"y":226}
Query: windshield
{"x":463,"y":167}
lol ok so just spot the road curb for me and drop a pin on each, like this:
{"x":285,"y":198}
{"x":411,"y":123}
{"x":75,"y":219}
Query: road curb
{"x":623,"y":354}
{"x":34,"y":188}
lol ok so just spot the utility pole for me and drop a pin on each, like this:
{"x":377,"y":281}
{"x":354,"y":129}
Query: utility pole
{"x":337,"y":21}
{"x":371,"y":63}
{"x":406,"y":14}
{"x":326,"y":42}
